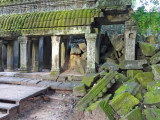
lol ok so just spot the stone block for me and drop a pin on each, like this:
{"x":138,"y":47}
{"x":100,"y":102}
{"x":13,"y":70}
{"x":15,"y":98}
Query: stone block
{"x":152,"y":97}
{"x":151,"y":39}
{"x":84,"y":56}
{"x":131,"y":87}
{"x":152,"y":114}
{"x":155,"y":59}
{"x":80,"y":90}
{"x":80,"y":66}
{"x":144,"y":78}
{"x":75,"y":50}
{"x":83,"y":47}
{"x":135,"y":114}
{"x":156,"y":72}
{"x":123,"y":103}
{"x":155,"y":85}
{"x":110,"y":67}
{"x":89,"y":79}
{"x":132,"y":64}
{"x":132,"y":73}
{"x":147,"y":49}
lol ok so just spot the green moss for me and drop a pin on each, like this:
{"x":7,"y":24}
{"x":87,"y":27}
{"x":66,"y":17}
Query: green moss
{"x":107,"y":109}
{"x":155,"y":59}
{"x":135,"y":114}
{"x":93,"y":93}
{"x":152,"y":97}
{"x":132,"y":73}
{"x":123,"y":103}
{"x":80,"y":90}
{"x":147,"y":49}
{"x":155,"y":85}
{"x":152,"y":114}
{"x":90,"y":79}
{"x":144,"y":78}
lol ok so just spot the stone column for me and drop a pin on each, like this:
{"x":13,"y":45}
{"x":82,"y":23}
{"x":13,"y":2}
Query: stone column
{"x":1,"y":58}
{"x":10,"y":56}
{"x":91,"y":52}
{"x":41,"y":53}
{"x":23,"y":53}
{"x":16,"y":54}
{"x":29,"y":57}
{"x":130,"y":39}
{"x":55,"y":55}
{"x":35,"y":54}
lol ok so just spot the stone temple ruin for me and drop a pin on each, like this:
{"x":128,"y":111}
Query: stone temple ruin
{"x":60,"y":35}
{"x":94,"y":38}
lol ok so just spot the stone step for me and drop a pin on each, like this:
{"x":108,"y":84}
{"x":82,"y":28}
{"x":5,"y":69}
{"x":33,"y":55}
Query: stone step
{"x":3,"y":116}
{"x":8,"y":106}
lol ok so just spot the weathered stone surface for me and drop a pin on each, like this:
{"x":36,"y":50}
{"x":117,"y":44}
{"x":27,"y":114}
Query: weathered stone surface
{"x":83,"y":47}
{"x":123,"y":103}
{"x":135,"y":114}
{"x":89,"y":79}
{"x":110,"y":67}
{"x":152,"y":97}
{"x":132,"y":64}
{"x":155,"y":59}
{"x":147,"y":49}
{"x":109,"y":60}
{"x":144,"y":78}
{"x":151,"y":39}
{"x":84,"y":56}
{"x":79,"y":90}
{"x":98,"y":90}
{"x":132,"y":73}
{"x":118,"y":42}
{"x":73,"y":61}
{"x":75,"y":50}
{"x":155,"y":85}
{"x":81,"y":66}
{"x":156,"y":72}
{"x":131,"y":87}
{"x":152,"y":114}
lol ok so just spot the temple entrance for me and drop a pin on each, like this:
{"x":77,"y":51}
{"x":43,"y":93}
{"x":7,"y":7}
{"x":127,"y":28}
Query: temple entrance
{"x":73,"y":54}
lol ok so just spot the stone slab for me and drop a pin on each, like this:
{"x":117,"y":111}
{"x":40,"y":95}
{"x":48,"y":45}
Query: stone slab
{"x":7,"y":106}
{"x":3,"y":116}
{"x":19,"y":92}
{"x":68,"y":86}
{"x":12,"y":80}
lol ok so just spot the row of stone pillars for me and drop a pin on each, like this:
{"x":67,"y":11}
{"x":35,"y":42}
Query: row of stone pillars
{"x":37,"y":54}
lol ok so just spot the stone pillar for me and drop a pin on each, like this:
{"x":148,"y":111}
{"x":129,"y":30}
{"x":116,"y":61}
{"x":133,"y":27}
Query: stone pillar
{"x":55,"y":55}
{"x":130,"y":39}
{"x":10,"y":56}
{"x":35,"y":54}
{"x":16,"y":54}
{"x":1,"y":58}
{"x":41,"y":41}
{"x":23,"y":53}
{"x":91,"y":52}
{"x":4,"y":55}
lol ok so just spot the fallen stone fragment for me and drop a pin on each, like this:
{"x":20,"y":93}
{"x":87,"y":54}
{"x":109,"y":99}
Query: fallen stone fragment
{"x":131,"y":87}
{"x":152,"y":114}
{"x":152,"y":97}
{"x":156,"y":72}
{"x":155,"y":85}
{"x":144,"y":78}
{"x":75,"y":50}
{"x":123,"y":103}
{"x":155,"y":59}
{"x":92,"y":95}
{"x":135,"y":114}
{"x":132,"y":73}
{"x":83,"y":47}
{"x":89,"y":79}
{"x":151,"y":39}
{"x":79,"y":90}
{"x":110,"y":67}
{"x":132,"y":64}
{"x":147,"y":48}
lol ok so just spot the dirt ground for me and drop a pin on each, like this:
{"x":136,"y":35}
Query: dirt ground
{"x":57,"y":106}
